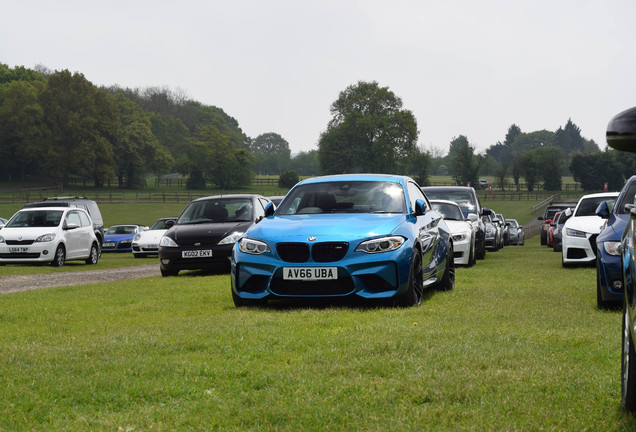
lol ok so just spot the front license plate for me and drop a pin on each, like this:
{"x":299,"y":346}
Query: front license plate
{"x":18,"y":249}
{"x":310,"y":273}
{"x":109,"y":244}
{"x":205,"y":253}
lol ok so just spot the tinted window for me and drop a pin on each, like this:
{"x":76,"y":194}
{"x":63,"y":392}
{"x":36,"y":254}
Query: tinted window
{"x":587,"y":206}
{"x":448,"y":211}
{"x":345,"y":197}
{"x":217,"y":210}
{"x":464,"y":199}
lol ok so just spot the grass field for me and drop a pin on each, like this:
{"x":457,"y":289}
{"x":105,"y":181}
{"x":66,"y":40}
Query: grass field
{"x":518,"y":345}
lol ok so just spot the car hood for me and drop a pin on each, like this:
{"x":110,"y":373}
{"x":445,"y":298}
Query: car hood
{"x":458,"y":226}
{"x":152,"y":236}
{"x":118,"y":237}
{"x":205,"y":233}
{"x":327,"y":227}
{"x":25,"y":233}
{"x":588,"y":224}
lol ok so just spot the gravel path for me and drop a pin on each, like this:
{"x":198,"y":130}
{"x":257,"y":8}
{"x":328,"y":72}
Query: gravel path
{"x":10,"y":284}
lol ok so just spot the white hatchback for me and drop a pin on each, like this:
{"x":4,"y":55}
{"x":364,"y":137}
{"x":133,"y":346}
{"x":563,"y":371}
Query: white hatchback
{"x":580,"y":231}
{"x":51,"y":234}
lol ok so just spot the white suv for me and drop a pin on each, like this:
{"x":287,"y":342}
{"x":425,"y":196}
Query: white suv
{"x":51,"y":234}
{"x":580,"y":231}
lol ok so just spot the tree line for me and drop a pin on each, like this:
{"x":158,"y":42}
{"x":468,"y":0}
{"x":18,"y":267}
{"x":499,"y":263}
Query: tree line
{"x":58,"y":125}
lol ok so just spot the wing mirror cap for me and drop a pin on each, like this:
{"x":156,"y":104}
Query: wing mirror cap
{"x":621,"y":131}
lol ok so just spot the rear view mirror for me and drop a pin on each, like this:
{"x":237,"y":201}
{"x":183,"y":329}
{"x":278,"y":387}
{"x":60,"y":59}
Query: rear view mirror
{"x":621,"y":131}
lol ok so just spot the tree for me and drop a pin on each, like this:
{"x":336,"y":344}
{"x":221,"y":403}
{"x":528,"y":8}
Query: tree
{"x":212,"y":156}
{"x":369,"y":131}
{"x":137,"y":150}
{"x":569,"y":139}
{"x":593,"y":170}
{"x":288,"y":179}
{"x":420,"y":168}
{"x":464,"y":163}
{"x":271,"y":152}
{"x":23,"y":133}
{"x":83,"y":122}
{"x":550,"y":161}
{"x":306,"y":163}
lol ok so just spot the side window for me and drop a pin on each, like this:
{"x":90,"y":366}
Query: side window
{"x":85,"y":220}
{"x":73,"y":218}
{"x":415,"y":193}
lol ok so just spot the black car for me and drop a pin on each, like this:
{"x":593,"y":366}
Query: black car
{"x":466,"y":198}
{"x":205,"y":233}
{"x":80,"y":202}
{"x":548,"y":215}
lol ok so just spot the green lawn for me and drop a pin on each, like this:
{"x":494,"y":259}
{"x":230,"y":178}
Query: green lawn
{"x":518,"y":345}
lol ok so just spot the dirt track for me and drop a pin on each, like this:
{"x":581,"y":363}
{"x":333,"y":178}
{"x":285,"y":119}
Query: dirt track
{"x":10,"y":284}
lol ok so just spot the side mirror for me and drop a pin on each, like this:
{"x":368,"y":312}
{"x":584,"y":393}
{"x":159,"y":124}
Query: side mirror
{"x":486,"y":211}
{"x":568,"y":212}
{"x":473,"y":217}
{"x":420,"y":207}
{"x":621,"y":131}
{"x":146,"y":228}
{"x":270,"y":208}
{"x":170,"y":224}
{"x":540,"y":218}
{"x":602,"y":210}
{"x":72,"y":226}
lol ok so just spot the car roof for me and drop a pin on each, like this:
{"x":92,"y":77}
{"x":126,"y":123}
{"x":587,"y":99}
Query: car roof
{"x":357,"y":177}
{"x":228,"y":196}
{"x":444,"y":202}
{"x":457,"y":188}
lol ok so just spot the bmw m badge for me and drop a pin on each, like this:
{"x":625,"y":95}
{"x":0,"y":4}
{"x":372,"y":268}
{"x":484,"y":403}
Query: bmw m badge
{"x":312,"y":238}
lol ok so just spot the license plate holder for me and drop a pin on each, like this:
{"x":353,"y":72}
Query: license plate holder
{"x":310,"y":273}
{"x":201,"y":253}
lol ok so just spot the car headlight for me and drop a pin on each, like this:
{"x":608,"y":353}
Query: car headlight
{"x":384,"y":244}
{"x":613,"y":248}
{"x":231,"y":239}
{"x":45,"y":238}
{"x":575,"y":233}
{"x":252,"y":246}
{"x":1,"y":239}
{"x":136,"y":237}
{"x":167,"y":242}
{"x":460,"y":237}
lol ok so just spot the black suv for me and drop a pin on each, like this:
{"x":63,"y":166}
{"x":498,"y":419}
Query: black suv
{"x":81,"y":202}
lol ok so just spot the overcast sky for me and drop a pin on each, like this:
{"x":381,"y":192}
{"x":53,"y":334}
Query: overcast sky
{"x":464,"y":67}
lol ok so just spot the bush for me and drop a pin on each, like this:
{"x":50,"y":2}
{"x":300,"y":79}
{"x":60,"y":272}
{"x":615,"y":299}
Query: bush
{"x":288,"y":179}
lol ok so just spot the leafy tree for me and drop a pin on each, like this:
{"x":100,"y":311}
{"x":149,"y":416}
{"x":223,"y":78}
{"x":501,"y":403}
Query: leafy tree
{"x":464,"y":163}
{"x":306,"y":163}
{"x":213,"y":156}
{"x":550,"y":160}
{"x":288,"y":179}
{"x":83,"y":121}
{"x":530,"y":167}
{"x":271,"y":152}
{"x":593,"y":170}
{"x":137,"y":150}
{"x":421,"y":166}
{"x":369,"y":131}
{"x":569,"y":138}
{"x":19,"y":73}
{"x":23,"y":133}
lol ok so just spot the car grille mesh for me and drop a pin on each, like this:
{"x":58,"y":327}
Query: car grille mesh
{"x":293,"y":252}
{"x":320,"y":252}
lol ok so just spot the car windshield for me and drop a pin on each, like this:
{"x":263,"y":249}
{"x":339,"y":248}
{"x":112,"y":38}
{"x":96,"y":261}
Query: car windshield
{"x":122,"y":229}
{"x":448,"y":211}
{"x":464,"y":199}
{"x":513,"y":223}
{"x":159,"y":225}
{"x":587,"y":206}
{"x":36,"y":219}
{"x":345,"y":197}
{"x":217,"y":210}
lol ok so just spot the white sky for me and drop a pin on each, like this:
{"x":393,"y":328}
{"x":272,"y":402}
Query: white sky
{"x":469,"y":67}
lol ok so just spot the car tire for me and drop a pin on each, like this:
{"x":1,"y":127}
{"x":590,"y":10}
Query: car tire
{"x":600,"y":303}
{"x":415,"y":290}
{"x":94,"y":255}
{"x":168,"y":273}
{"x":60,"y":256}
{"x":628,"y":367}
{"x":448,"y":280}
